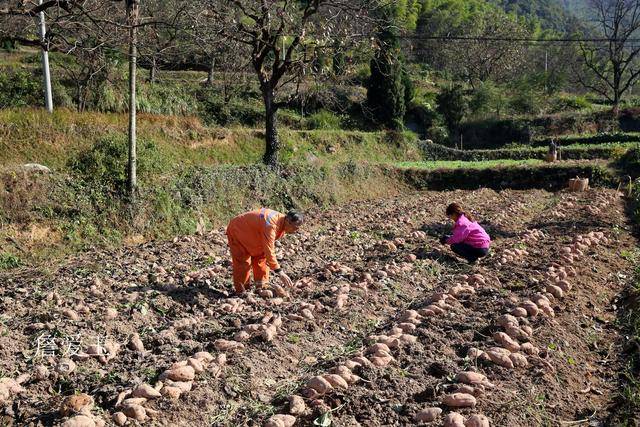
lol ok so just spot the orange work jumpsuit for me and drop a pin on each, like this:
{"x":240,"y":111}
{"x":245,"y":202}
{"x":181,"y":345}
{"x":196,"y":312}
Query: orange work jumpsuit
{"x":252,"y":239}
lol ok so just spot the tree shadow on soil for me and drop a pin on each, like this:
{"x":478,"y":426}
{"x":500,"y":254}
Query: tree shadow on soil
{"x":570,"y":226}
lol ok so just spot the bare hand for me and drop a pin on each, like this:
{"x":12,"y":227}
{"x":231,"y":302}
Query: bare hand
{"x":286,"y":281}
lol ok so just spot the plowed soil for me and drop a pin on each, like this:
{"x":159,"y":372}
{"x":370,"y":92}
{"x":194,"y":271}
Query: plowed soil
{"x":177,"y":297}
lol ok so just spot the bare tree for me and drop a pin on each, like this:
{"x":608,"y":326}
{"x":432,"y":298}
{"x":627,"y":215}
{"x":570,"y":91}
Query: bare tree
{"x":614,"y":65}
{"x":284,"y":38}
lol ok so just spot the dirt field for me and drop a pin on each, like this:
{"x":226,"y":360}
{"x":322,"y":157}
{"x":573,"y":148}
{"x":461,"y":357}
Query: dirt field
{"x":359,"y":269}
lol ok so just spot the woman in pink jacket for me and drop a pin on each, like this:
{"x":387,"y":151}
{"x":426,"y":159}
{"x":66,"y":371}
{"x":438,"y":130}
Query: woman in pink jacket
{"x":468,"y":239}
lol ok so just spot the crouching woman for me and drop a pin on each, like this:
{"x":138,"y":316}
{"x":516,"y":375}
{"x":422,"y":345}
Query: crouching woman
{"x":468,"y":239}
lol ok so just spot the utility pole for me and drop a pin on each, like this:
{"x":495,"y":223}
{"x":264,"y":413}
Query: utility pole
{"x":546,"y":69}
{"x":46,"y":73}
{"x":132,"y":18}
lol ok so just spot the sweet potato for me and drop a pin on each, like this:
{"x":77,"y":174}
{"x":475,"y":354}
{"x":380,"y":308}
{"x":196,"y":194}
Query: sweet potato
{"x":70,"y":314}
{"x":65,"y":366}
{"x":554,"y":290}
{"x":530,"y":349}
{"x":507,"y":320}
{"x":269,"y":333}
{"x":80,"y":421}
{"x":119,"y":418}
{"x":75,"y":404}
{"x":320,"y":385}
{"x":410,"y":316}
{"x":477,"y":421}
{"x":519,"y":360}
{"x":564,"y":285}
{"x":407,"y":327}
{"x":519,"y":312}
{"x":281,"y":420}
{"x":136,"y":412}
{"x":146,"y":391}
{"x":459,"y":400}
{"x":336,"y":381}
{"x":428,"y":415}
{"x":184,"y":373}
{"x":469,"y":377}
{"x":296,"y":405}
{"x":171,"y":392}
{"x":475,"y":353}
{"x":500,"y":356}
{"x":377,"y":347}
{"x":505,"y":341}
{"x":224,"y":345}
{"x":532,"y":309}
{"x":184,"y":386}
{"x":453,"y":419}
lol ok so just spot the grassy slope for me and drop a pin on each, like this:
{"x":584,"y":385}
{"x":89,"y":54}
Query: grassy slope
{"x":30,"y":135}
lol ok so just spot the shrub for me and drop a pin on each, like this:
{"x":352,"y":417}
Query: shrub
{"x":105,"y":163}
{"x":452,"y":106}
{"x":570,"y":103}
{"x":324,"y":120}
{"x":20,"y":88}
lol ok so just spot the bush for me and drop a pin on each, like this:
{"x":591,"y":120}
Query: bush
{"x":526,"y":101}
{"x":488,"y":98}
{"x":325,"y":120}
{"x":105,"y":163}
{"x":569,"y":103}
{"x":218,"y":112}
{"x":20,"y":88}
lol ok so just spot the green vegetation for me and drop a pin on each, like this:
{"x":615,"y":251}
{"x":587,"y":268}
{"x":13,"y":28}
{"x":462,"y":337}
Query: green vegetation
{"x":488,"y":164}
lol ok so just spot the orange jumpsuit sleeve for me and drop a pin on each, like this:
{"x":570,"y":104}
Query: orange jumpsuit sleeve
{"x":270,"y":232}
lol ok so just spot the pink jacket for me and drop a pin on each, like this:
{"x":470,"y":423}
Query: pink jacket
{"x":471,"y":233}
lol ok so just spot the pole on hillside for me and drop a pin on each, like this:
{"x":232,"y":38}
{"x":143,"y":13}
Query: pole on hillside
{"x":132,"y":17}
{"x":46,"y":73}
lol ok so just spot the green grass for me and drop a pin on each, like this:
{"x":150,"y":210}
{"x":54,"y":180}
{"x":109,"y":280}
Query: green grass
{"x":487,"y":164}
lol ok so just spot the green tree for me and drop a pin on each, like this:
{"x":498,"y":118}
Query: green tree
{"x":385,"y":88}
{"x":452,"y":105}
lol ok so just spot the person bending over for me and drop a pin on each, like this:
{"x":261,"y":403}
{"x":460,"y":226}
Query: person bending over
{"x":252,"y":238}
{"x":468,"y":238}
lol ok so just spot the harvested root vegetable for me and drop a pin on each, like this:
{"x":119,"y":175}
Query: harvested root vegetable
{"x":532,"y":309}
{"x":183,"y":373}
{"x":505,"y":341}
{"x":111,"y":313}
{"x":297,"y":405}
{"x":377,"y":347}
{"x":453,"y":419}
{"x":345,"y":373}
{"x":519,"y":312}
{"x":136,"y":412}
{"x":204,"y":355}
{"x":320,"y":385}
{"x":469,"y":377}
{"x":135,"y":343}
{"x":427,"y":313}
{"x":363,"y":361}
{"x":269,"y":333}
{"x":280,"y":291}
{"x":555,"y":291}
{"x":459,"y":400}
{"x":336,"y":381}
{"x":40,"y":372}
{"x":410,"y":316}
{"x":428,"y":415}
{"x":225,"y":345}
{"x":407,"y":327}
{"x":341,"y":301}
{"x":281,"y":420}
{"x":70,"y":314}
{"x":307,"y":314}
{"x":119,"y":418}
{"x":146,"y":391}
{"x":80,"y":421}
{"x":184,"y":386}
{"x":65,"y":366}
{"x":548,"y":311}
{"x":75,"y":404}
{"x":507,"y":320}
{"x":529,"y":348}
{"x":408,"y":339}
{"x":171,"y":392}
{"x":477,"y":421}
{"x":515,"y":332}
{"x":518,"y":360}
{"x":475,"y":353}
{"x":241,"y":336}
{"x":500,"y":356}
{"x":564,"y":285}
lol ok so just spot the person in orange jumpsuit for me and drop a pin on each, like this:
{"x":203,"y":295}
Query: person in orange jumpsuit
{"x":252,"y":238}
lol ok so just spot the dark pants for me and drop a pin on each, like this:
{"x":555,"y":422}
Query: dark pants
{"x":468,"y":252}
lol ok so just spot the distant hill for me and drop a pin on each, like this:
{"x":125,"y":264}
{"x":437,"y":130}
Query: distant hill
{"x":559,"y":15}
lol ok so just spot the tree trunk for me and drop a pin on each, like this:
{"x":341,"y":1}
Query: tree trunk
{"x":153,"y":73}
{"x":272,"y":141}
{"x":210,"y":73}
{"x":132,"y":181}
